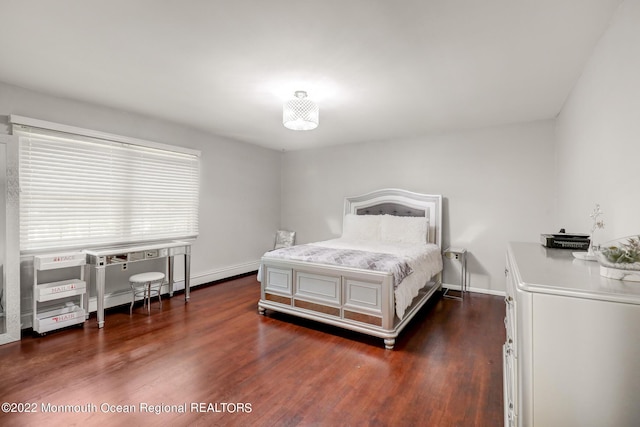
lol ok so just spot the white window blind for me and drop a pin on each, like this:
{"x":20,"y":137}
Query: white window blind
{"x":78,"y":191}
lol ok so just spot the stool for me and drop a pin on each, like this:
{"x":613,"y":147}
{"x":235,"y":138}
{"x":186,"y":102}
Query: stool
{"x":147,"y":285}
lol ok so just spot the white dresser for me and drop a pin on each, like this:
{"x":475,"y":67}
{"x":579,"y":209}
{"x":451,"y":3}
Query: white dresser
{"x":572,"y":351}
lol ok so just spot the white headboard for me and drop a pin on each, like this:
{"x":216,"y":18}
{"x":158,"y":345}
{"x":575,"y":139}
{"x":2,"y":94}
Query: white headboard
{"x":393,"y":201}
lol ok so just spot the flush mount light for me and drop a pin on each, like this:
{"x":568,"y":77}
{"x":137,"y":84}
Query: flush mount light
{"x":300,"y":113}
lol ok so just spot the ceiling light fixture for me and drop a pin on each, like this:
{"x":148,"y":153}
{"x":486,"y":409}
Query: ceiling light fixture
{"x":300,"y":113}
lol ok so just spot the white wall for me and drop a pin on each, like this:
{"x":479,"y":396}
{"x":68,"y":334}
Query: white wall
{"x":598,"y":134}
{"x":239,"y":185}
{"x":496,"y":182}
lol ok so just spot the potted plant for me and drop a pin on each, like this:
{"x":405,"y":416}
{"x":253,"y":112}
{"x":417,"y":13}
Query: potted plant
{"x":620,"y":259}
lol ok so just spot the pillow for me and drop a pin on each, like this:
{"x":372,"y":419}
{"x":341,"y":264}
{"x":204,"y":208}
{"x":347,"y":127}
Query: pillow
{"x":361,"y":227}
{"x":284,"y":239}
{"x":404,"y":229}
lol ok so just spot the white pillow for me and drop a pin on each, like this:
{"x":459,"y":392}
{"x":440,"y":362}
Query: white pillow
{"x":404,"y":229}
{"x":361,"y":227}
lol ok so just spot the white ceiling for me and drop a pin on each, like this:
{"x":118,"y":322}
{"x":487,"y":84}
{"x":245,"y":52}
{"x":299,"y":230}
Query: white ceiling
{"x":379,"y":69}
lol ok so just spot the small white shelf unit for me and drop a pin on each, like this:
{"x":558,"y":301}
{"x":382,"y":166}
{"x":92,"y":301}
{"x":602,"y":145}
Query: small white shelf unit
{"x":71,"y":294}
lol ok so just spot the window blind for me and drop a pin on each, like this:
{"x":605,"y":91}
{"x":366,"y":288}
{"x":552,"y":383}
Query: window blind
{"x":78,"y":191}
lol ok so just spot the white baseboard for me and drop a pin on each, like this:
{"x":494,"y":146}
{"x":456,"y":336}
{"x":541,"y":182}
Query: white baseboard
{"x":219,"y":274}
{"x":476,"y":290}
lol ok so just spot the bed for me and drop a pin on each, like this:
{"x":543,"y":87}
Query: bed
{"x":374,"y":278}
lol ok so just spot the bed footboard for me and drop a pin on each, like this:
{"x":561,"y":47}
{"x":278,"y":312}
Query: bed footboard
{"x":358,"y":300}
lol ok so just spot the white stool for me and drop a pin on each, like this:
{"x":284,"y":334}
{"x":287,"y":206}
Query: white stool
{"x":147,"y":285}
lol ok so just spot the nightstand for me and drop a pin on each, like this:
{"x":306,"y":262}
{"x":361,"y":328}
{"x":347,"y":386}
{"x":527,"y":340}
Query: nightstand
{"x":460,"y":255}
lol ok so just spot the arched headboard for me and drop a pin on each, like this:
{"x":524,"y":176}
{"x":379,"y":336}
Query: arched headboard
{"x":393,"y":201}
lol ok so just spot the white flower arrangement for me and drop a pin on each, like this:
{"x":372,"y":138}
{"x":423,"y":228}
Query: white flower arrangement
{"x":597,"y":224}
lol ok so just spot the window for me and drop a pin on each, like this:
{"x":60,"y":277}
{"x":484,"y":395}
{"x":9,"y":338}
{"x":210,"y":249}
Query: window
{"x":81,"y":188}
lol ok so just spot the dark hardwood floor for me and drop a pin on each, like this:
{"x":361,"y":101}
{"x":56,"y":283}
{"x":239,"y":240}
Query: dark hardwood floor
{"x":218,"y":355}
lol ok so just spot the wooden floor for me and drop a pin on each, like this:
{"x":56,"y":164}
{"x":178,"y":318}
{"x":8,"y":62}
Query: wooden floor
{"x":216,"y":361}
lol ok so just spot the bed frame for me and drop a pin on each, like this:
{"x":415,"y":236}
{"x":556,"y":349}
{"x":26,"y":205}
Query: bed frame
{"x":351,"y":298}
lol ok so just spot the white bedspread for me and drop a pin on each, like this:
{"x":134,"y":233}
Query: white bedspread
{"x":424,"y":259}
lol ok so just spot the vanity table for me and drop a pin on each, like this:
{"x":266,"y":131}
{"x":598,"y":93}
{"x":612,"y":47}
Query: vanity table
{"x":101,"y":258}
{"x":572,"y":350}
